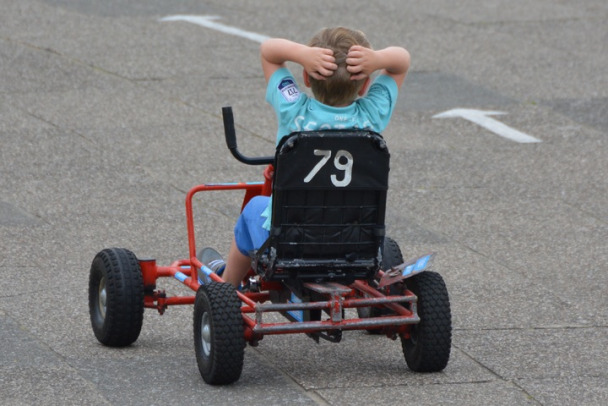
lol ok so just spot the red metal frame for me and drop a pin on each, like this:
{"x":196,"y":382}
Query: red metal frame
{"x":338,"y":297}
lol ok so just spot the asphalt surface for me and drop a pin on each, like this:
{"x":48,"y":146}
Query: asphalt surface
{"x":108,"y":116}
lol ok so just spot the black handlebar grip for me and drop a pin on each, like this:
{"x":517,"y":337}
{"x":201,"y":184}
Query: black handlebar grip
{"x":229,"y":130}
{"x":230,"y":133}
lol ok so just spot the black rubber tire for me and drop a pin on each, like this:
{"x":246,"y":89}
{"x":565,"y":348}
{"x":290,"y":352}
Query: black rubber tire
{"x":219,"y":341}
{"x":430,"y":342}
{"x":116,"y":297}
{"x":391,"y":256}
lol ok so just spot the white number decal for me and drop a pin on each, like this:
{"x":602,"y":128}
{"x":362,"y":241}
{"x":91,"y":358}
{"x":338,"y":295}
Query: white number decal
{"x":318,"y":152}
{"x":346,"y":167}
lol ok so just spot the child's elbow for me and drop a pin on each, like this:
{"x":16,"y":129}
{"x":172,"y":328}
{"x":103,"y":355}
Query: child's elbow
{"x":263,"y":47}
{"x":405,"y":59}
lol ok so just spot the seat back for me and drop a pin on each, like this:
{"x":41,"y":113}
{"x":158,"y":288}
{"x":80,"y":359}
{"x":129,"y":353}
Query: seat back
{"x":328,"y":207}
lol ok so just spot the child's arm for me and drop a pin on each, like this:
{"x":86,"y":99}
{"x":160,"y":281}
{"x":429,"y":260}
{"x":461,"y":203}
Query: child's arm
{"x":392,"y":61}
{"x":318,"y":62}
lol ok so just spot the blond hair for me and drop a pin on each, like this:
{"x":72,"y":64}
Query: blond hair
{"x":338,"y":89}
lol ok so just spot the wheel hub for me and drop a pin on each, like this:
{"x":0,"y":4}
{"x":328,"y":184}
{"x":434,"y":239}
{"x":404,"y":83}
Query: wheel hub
{"x":103,"y":297}
{"x":206,"y":334}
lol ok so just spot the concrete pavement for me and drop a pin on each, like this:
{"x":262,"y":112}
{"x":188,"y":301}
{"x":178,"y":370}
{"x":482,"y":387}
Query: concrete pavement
{"x":108,"y":116}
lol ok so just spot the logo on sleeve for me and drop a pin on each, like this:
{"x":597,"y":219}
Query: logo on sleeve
{"x":289,"y":90}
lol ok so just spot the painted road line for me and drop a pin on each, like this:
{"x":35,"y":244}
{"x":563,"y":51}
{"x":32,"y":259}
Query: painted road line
{"x":210,"y":22}
{"x":481,"y":118}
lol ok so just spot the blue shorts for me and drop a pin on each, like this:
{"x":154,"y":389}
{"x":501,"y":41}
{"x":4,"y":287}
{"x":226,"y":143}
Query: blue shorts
{"x":249,"y":231}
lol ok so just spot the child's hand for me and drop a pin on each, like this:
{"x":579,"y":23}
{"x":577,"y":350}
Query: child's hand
{"x":360,"y":62}
{"x":319,"y":63}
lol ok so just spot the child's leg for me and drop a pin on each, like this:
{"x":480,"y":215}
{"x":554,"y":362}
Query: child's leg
{"x":237,"y":265}
{"x":249,"y":234}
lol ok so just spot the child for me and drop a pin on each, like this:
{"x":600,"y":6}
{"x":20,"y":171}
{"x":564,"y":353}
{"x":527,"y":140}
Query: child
{"x":337,"y":65}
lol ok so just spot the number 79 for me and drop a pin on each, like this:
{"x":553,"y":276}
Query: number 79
{"x":347,"y":167}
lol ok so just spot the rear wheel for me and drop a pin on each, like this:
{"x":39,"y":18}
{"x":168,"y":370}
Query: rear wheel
{"x":219,"y":341}
{"x":427,"y":349}
{"x":116,"y":297}
{"x":391,"y":256}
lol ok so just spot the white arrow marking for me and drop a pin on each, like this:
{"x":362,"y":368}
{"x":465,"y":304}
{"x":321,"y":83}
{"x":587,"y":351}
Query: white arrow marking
{"x":209,"y":22}
{"x":481,"y":117}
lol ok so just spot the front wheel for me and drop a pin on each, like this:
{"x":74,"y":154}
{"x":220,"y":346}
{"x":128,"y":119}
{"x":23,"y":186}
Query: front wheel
{"x":219,"y":341}
{"x":427,"y":349}
{"x":116,"y":297}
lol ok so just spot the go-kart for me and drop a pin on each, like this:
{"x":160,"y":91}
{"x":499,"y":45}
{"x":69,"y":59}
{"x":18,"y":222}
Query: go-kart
{"x":327,"y":265}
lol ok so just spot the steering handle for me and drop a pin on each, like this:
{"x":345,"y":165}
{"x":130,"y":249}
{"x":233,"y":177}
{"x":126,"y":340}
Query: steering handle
{"x":230,"y":134}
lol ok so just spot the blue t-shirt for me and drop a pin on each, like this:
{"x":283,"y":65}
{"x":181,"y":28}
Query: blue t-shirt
{"x":298,"y":112}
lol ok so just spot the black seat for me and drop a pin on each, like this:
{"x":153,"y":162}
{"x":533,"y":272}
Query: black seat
{"x":328,"y":207}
